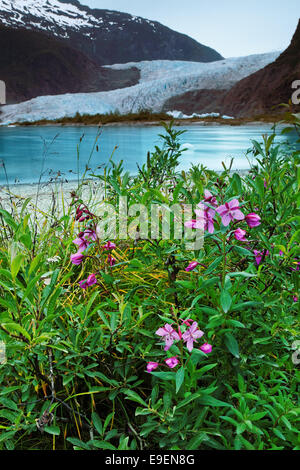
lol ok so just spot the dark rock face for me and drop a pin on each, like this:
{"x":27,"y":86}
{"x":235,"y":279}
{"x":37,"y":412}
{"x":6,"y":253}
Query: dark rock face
{"x":198,"y":101}
{"x":32,"y":64}
{"x":107,"y":37}
{"x":269,"y":87}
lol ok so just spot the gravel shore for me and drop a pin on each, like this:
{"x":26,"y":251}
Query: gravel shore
{"x":45,"y":196}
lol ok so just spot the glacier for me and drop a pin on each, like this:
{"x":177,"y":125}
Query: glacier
{"x":160,"y":80}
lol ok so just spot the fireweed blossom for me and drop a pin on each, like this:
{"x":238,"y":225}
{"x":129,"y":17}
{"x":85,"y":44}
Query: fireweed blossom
{"x":89,"y":234}
{"x":111,"y":261}
{"x":240,"y":235}
{"x":77,"y":258}
{"x":82,"y":214}
{"x":82,"y":244}
{"x":209,"y":198}
{"x":259,"y":255}
{"x":206,"y":219}
{"x":192,"y":266}
{"x":90,"y":281}
{"x":191,"y":335}
{"x":151,"y":366}
{"x":253,"y":220}
{"x":109,"y":246}
{"x":172,"y":362}
{"x":230,"y":212}
{"x":206,"y":348}
{"x":169,"y":335}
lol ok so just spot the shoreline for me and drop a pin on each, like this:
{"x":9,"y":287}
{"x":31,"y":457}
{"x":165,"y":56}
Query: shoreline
{"x":145,"y":119}
{"x":177,"y":123}
{"x":44,"y":194}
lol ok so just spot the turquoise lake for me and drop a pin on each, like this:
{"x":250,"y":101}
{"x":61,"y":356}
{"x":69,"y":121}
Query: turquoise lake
{"x":26,"y":151}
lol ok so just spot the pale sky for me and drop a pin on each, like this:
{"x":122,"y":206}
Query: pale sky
{"x":232,"y":27}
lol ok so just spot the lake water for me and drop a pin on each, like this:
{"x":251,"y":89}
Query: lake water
{"x":24,"y":149}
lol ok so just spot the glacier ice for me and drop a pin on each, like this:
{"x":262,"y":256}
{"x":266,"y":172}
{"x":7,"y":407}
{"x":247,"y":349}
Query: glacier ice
{"x":160,"y":80}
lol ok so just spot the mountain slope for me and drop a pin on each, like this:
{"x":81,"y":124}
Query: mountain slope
{"x":268,"y":87}
{"x":105,"y":36}
{"x":32,"y":64}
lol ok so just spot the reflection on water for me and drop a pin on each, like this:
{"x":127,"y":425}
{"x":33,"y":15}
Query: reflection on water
{"x":22,"y":148}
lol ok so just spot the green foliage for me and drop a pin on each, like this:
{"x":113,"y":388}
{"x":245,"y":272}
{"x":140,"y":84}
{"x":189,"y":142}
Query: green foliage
{"x":75,"y":375}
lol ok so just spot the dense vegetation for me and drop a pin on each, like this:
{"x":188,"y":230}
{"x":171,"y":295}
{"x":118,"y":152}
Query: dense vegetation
{"x":147,"y":116}
{"x":141,"y":343}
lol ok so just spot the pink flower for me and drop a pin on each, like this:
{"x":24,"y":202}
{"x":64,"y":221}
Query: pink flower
{"x":83,"y":284}
{"x":210,"y":199}
{"x":151,"y":366}
{"x":230,"y":211}
{"x":259,"y":255}
{"x":253,"y":220}
{"x":172,"y":362}
{"x":169,"y":335}
{"x":109,"y":246}
{"x":204,"y":221}
{"x":192,"y":266}
{"x":193,"y":224}
{"x":206,"y":348}
{"x":112,"y":261}
{"x":90,"y":234}
{"x":191,"y":335}
{"x":90,"y":281}
{"x":240,"y":235}
{"x":295,"y":298}
{"x":81,"y":243}
{"x":77,"y":258}
{"x":206,"y":218}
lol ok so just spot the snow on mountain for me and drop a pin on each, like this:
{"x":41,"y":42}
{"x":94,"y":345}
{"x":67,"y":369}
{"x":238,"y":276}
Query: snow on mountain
{"x":105,"y":36}
{"x":53,"y":12}
{"x":160,"y":80}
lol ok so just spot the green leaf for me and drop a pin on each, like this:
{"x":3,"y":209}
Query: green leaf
{"x":214,"y":265}
{"x":243,"y":251}
{"x":77,"y":443}
{"x":232,"y":345}
{"x":179,"y":378}
{"x":15,"y":327}
{"x":225,"y":300}
{"x":164,"y":375}
{"x":8,"y":403}
{"x":16,"y":265}
{"x":211,"y":401}
{"x":102,"y":445}
{"x":97,"y":423}
{"x":8,"y":219}
{"x":54,"y":430}
{"x":133,"y":396}
{"x":195,"y":443}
